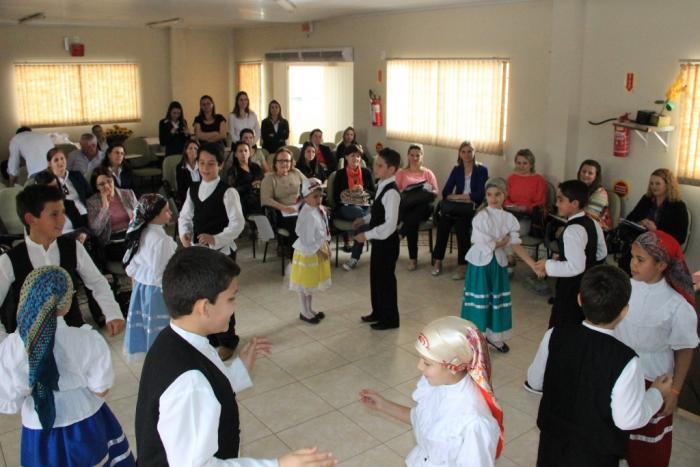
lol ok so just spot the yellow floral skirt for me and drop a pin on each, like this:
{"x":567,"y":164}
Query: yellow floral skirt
{"x":309,"y":273}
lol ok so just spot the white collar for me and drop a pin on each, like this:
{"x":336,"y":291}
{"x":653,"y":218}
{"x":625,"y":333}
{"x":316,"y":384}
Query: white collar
{"x":578,"y":214}
{"x":213,"y":182}
{"x":385,"y":182}
{"x":32,"y":244}
{"x":197,"y":341}
{"x":592,"y":326}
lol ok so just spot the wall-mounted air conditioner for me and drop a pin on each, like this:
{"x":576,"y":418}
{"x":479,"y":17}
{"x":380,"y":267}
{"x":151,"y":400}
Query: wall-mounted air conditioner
{"x":341,"y":54}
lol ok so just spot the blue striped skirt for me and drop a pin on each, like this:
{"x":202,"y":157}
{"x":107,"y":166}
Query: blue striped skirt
{"x":148,"y":315}
{"x":487,"y":300}
{"x":97,"y":440}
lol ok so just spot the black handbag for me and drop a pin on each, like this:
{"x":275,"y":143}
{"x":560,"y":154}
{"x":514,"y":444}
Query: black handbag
{"x":456,"y":209}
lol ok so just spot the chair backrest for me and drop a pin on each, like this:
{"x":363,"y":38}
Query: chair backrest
{"x":263,"y":226}
{"x":304,"y":137}
{"x":338,"y":136}
{"x":615,"y":207}
{"x":551,"y":198}
{"x":170,"y":170}
{"x":330,"y":145}
{"x":139,"y":145}
{"x":329,"y":190}
{"x":685,"y":244}
{"x":67,"y":148}
{"x":296,"y":152}
{"x":8,"y":210}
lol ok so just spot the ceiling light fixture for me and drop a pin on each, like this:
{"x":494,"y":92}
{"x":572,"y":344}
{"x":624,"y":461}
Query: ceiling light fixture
{"x":286,"y":5}
{"x":32,"y":17}
{"x":164,"y":22}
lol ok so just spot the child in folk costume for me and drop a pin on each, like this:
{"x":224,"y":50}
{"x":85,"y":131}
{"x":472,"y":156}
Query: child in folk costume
{"x":311,"y":266}
{"x":661,"y":327}
{"x":149,"y":249}
{"x":57,"y":376}
{"x":457,"y":421}
{"x":487,"y":301}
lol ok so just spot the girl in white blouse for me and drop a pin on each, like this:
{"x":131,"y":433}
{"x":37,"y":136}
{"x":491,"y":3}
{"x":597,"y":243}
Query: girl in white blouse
{"x":311,"y":265}
{"x":149,"y":250}
{"x":58,"y":376}
{"x":457,"y":421}
{"x":661,"y":326}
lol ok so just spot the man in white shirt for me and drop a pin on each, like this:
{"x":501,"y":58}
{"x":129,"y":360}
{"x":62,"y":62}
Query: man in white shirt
{"x":88,"y":157}
{"x":186,"y":413}
{"x":30,"y":146}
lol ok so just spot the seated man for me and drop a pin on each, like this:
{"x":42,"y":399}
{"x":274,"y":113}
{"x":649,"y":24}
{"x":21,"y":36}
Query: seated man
{"x":88,"y":157}
{"x":30,"y":146}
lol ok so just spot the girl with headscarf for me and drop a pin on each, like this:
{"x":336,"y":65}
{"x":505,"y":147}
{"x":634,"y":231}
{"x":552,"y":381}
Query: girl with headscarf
{"x":58,"y":376}
{"x":457,"y":421}
{"x":148,"y":250}
{"x":661,"y":327}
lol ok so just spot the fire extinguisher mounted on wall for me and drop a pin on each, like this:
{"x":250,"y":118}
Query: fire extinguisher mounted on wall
{"x":375,"y":109}
{"x":621,"y":138}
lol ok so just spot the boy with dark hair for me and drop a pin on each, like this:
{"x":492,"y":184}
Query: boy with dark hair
{"x":581,"y":246}
{"x":593,"y":384}
{"x":186,"y":413}
{"x":41,"y":209}
{"x":382,"y":227}
{"x":212,"y":217}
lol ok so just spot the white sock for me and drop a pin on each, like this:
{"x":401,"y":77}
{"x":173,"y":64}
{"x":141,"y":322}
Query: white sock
{"x":305,"y":308}
{"x":308,"y":304}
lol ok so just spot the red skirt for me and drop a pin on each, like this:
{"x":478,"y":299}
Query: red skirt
{"x":650,"y":446}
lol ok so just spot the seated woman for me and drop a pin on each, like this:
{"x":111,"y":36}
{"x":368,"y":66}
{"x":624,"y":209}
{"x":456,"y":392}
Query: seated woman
{"x":353,"y":188}
{"x":280,"y":190}
{"x":120,"y":168}
{"x":274,"y":130}
{"x":309,"y":164}
{"x":173,"y":131}
{"x":417,"y":205}
{"x":661,"y":208}
{"x":246,"y":176}
{"x":590,"y":173}
{"x":76,"y":225}
{"x":349,"y":140}
{"x":186,"y":172}
{"x":110,"y":210}
{"x":72,"y":182}
{"x":324,"y":155}
{"x":527,"y":190}
{"x":462,"y":193}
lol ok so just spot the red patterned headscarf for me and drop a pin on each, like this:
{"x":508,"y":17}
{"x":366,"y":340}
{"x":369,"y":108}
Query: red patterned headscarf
{"x":664,"y":248}
{"x":458,"y":345}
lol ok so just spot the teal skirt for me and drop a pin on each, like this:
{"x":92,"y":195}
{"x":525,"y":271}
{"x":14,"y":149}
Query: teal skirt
{"x":487,"y":301}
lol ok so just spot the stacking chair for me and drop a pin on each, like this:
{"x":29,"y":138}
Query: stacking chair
{"x":338,"y":226}
{"x":145,"y":165}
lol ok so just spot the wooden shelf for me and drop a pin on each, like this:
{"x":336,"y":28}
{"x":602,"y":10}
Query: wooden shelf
{"x":643,"y":130}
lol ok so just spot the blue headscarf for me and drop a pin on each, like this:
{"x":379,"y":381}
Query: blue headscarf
{"x":46,"y":290}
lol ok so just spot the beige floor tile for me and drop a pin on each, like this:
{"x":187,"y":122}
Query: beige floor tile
{"x":125,"y":385}
{"x":341,"y":386}
{"x":686,"y":430}
{"x":402,"y":444}
{"x":286,"y":407}
{"x":523,"y":450}
{"x":266,"y":375}
{"x":516,"y":422}
{"x":270,"y":447}
{"x":514,"y":395}
{"x":2,"y":459}
{"x":125,"y":411}
{"x":683,"y":454}
{"x":284,"y":337}
{"x":375,"y":457}
{"x":379,"y":425}
{"x":357,"y":344}
{"x":407,"y":388}
{"x":393,"y":366}
{"x":10,"y":422}
{"x":251,"y":428}
{"x":307,"y":360}
{"x":333,"y":324}
{"x":333,"y":432}
{"x":10,"y":447}
{"x":503,"y":461}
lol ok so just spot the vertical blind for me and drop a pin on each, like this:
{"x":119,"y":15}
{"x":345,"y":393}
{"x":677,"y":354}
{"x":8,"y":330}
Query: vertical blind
{"x":249,"y":80}
{"x":444,"y":102}
{"x":689,"y":126}
{"x":77,"y":94}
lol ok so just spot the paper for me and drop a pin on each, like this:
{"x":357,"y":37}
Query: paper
{"x":633,"y":225}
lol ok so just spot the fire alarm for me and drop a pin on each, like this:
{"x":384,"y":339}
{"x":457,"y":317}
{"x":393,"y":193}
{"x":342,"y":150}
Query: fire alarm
{"x":77,"y":49}
{"x":307,"y":27}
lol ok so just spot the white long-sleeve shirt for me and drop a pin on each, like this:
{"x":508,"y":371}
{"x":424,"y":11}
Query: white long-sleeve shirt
{"x":658,"y":322}
{"x":224,"y":241}
{"x":155,"y":250}
{"x":235,"y":125}
{"x":453,"y":426}
{"x":86,"y":269}
{"x":391,"y":201}
{"x":575,"y":240}
{"x":32,"y":147}
{"x":189,"y":411}
{"x":489,"y":226}
{"x":312,"y":230}
{"x":632,"y":405}
{"x":85,"y":367}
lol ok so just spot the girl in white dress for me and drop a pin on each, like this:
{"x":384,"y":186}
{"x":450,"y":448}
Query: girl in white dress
{"x":457,"y":421}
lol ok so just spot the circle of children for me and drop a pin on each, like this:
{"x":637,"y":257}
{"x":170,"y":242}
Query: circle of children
{"x":609,"y":369}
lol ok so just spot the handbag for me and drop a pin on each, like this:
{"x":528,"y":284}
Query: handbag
{"x":456,"y":209}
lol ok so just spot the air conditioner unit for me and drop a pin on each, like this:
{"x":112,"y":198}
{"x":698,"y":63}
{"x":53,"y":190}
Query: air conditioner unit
{"x":341,"y":54}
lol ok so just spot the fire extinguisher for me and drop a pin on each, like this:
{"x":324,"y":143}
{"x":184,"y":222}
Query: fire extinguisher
{"x":375,"y":109}
{"x":621,"y":143}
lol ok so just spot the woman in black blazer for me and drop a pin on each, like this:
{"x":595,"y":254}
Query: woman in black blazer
{"x":72,"y":183}
{"x":186,"y":172}
{"x":173,"y":131}
{"x":274,"y":130}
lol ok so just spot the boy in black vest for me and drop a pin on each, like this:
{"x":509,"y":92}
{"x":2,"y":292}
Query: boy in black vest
{"x":41,"y":210}
{"x":581,"y":246}
{"x":593,"y":384}
{"x":186,"y":412}
{"x":382,"y":231}
{"x":212,"y":217}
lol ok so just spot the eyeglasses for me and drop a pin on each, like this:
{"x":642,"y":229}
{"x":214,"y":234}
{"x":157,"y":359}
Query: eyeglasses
{"x":285,"y":161}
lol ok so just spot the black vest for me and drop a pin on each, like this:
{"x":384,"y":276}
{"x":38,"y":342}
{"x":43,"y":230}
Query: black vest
{"x":168,"y":358}
{"x":210,"y":216}
{"x":582,"y":368}
{"x":22,"y":266}
{"x":592,"y":244}
{"x":377,"y":211}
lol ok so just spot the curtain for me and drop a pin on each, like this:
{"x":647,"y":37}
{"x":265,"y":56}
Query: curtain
{"x":77,"y":94}
{"x":250,"y":81}
{"x":689,"y":126}
{"x":444,"y":102}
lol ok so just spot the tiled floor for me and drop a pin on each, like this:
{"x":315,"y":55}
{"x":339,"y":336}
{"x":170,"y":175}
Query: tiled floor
{"x":306,"y":393}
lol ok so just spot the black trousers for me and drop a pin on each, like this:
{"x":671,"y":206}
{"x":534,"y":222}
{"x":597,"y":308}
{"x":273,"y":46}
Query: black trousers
{"x":411,"y":219}
{"x":554,"y":451}
{"x":566,"y":309}
{"x":382,"y":280}
{"x":463,"y":227}
{"x":228,"y":338}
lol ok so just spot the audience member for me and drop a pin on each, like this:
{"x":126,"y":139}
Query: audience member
{"x":209,"y":126}
{"x":590,"y":173}
{"x":324,"y":155}
{"x":99,"y":133}
{"x":173,"y":131}
{"x":242,"y":117}
{"x":257,"y":155}
{"x":527,"y":193}
{"x":72,"y":182}
{"x":120,"y":168}
{"x":88,"y":157}
{"x":246,"y":176}
{"x":187,"y":171}
{"x":274,"y":130}
{"x":30,"y":146}
{"x":308,"y":163}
